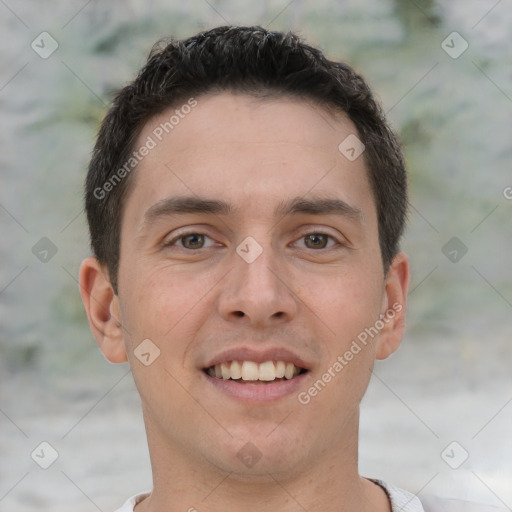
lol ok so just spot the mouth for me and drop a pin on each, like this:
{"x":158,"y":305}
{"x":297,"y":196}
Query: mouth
{"x":251,"y":372}
{"x":256,"y":376}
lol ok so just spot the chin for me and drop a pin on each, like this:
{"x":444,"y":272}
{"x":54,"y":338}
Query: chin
{"x":258,"y":458}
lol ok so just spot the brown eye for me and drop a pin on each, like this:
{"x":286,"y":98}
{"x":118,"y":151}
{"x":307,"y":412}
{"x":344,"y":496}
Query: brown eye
{"x":316,"y":241}
{"x":192,"y":241}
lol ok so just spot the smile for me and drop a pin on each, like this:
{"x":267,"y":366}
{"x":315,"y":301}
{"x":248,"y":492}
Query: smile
{"x":268,"y":371}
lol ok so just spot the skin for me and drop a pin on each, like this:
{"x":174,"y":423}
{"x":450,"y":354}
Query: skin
{"x":255,"y":155}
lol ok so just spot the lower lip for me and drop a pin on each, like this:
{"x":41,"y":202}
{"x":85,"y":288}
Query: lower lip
{"x":258,"y":392}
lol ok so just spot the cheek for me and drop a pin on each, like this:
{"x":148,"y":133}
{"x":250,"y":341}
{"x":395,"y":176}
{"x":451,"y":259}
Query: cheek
{"x":346,"y":302}
{"x":164,"y":303}
{"x":164,"y":310}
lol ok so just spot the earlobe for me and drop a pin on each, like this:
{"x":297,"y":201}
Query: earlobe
{"x":102,"y":309}
{"x":394,"y":306}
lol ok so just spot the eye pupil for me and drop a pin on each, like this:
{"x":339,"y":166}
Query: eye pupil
{"x":317,"y":240}
{"x":313,"y":241}
{"x":193,"y":241}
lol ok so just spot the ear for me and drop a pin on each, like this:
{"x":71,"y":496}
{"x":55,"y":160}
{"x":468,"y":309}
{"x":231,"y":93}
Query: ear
{"x":102,"y":308}
{"x":394,"y":306}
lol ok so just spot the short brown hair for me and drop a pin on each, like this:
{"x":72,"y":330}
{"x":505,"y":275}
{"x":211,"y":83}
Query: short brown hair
{"x":250,"y":60}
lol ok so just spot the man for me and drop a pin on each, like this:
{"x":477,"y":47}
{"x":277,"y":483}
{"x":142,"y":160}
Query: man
{"x":245,"y":200}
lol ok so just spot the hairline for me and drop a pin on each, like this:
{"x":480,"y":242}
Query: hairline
{"x":270,"y":94}
{"x":260,"y":93}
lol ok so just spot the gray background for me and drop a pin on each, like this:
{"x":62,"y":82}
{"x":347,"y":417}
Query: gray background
{"x":450,"y":381}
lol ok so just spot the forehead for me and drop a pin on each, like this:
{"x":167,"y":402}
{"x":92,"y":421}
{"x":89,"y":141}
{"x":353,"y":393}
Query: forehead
{"x":235,"y":119}
{"x":240,"y":148}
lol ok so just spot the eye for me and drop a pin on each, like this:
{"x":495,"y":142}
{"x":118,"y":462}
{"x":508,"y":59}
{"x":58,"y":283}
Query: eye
{"x":191,"y":241}
{"x":318,"y":241}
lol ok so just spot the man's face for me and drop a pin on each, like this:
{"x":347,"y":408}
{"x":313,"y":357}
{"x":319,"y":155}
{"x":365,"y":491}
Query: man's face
{"x":248,"y":236}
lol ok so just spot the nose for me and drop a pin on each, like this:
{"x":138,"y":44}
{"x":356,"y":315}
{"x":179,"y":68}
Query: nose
{"x":258,"y":293}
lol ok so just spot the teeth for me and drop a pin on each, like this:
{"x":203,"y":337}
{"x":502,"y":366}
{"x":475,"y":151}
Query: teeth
{"x":225,"y":370}
{"x":235,"y":370}
{"x":267,"y":371}
{"x":288,"y":373}
{"x":280,"y":369}
{"x":251,"y":371}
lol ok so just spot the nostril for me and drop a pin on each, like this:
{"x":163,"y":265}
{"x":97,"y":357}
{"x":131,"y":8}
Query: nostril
{"x":239,"y":313}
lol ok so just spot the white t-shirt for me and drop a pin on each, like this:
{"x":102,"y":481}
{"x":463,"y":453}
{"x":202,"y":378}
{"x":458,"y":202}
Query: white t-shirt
{"x":401,"y":501}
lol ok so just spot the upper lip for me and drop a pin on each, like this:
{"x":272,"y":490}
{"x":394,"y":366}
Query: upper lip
{"x":258,"y":356}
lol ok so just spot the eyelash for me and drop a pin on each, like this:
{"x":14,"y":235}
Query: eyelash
{"x":185,"y":234}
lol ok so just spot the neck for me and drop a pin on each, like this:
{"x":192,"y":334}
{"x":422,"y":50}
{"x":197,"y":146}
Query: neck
{"x":184,"y":482}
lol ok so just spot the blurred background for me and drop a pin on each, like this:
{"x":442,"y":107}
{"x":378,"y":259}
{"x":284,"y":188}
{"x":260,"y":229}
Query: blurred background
{"x":437,"y":418}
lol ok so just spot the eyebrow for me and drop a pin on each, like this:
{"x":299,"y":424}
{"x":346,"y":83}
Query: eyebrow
{"x":319,"y":206}
{"x":186,"y":204}
{"x":298,"y":205}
